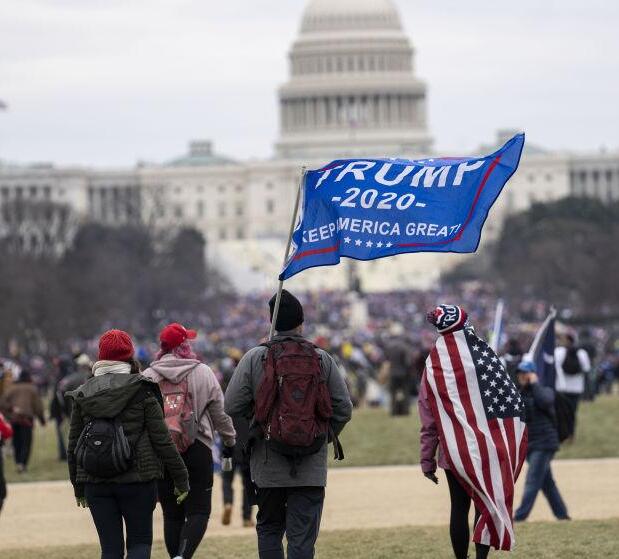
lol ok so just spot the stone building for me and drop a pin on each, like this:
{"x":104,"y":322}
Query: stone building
{"x":352,"y":91}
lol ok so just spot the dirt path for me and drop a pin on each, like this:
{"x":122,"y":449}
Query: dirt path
{"x":44,"y":513}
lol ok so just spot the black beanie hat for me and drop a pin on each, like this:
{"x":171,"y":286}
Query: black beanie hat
{"x":290,"y":313}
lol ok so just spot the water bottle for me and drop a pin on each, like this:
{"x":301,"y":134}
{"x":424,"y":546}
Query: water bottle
{"x":226,"y":464}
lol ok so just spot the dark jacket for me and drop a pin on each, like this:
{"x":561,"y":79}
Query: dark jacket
{"x":272,"y":469}
{"x":400,"y":357}
{"x":539,"y":403}
{"x":137,"y":402}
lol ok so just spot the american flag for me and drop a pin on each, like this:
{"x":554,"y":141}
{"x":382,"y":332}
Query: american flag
{"x":480,"y":418}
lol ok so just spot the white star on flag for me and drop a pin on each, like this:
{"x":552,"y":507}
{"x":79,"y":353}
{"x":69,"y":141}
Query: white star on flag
{"x":389,"y":245}
{"x":490,"y":409}
{"x":487,"y":392}
{"x":502,"y":408}
{"x":369,"y":244}
{"x":485,"y":353}
{"x":484,"y":376}
{"x":480,"y":361}
{"x":475,"y":348}
{"x":379,"y":244}
{"x":347,"y":240}
{"x":358,"y":242}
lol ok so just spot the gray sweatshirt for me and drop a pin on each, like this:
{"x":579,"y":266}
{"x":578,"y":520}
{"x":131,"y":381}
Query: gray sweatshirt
{"x":269,"y":469}
{"x":208,"y":399}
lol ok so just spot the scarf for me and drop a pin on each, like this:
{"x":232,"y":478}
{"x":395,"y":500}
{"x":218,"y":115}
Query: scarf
{"x":113,"y":367}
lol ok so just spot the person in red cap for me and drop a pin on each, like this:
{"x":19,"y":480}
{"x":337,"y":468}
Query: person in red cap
{"x":194,"y":411}
{"x":119,"y":445}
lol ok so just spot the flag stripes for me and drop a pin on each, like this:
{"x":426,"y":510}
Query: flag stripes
{"x":483,"y":436}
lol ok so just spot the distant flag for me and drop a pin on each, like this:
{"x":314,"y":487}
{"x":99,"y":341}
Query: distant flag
{"x":542,"y":351}
{"x":480,"y":418}
{"x":497,"y":328}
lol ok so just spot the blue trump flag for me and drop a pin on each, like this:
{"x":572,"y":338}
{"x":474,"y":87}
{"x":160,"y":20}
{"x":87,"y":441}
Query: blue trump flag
{"x":373,"y":208}
{"x":542,"y":351}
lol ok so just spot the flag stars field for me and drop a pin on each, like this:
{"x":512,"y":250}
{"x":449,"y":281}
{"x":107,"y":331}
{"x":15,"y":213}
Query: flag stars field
{"x":368,"y":244}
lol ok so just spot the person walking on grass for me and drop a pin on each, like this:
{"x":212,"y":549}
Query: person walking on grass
{"x":240,"y":464}
{"x":119,"y":446}
{"x":539,"y":404}
{"x":572,"y":366}
{"x":6,"y":432}
{"x":298,"y":402}
{"x":59,"y":405}
{"x":472,"y":415}
{"x":194,"y":411}
{"x":22,"y":404}
{"x":431,"y":445}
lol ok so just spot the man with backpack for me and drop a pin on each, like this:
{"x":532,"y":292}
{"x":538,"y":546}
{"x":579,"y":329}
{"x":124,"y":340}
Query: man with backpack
{"x":572,"y":366}
{"x":298,"y":402}
{"x":539,"y":403}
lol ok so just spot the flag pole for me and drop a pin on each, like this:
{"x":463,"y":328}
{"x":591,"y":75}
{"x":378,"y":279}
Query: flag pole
{"x":278,"y":297}
{"x":538,"y":335}
{"x":497,"y":326}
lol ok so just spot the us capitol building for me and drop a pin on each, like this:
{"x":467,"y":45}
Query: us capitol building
{"x":352,"y":91}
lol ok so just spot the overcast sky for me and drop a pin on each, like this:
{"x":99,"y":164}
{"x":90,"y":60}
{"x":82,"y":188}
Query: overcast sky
{"x":108,"y":82}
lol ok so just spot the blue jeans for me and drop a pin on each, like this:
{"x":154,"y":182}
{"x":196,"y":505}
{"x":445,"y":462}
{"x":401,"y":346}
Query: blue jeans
{"x":539,"y":477}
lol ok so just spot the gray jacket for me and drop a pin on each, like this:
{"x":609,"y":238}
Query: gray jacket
{"x":272,"y":469}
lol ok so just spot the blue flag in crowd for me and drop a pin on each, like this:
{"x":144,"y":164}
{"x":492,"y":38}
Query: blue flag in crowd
{"x":542,"y":351}
{"x":372,"y":208}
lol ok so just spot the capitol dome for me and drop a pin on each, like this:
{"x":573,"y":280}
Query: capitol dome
{"x":329,"y":15}
{"x":352,"y":89}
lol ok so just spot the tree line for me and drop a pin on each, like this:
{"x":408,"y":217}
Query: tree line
{"x":564,"y":252}
{"x":128,"y":276}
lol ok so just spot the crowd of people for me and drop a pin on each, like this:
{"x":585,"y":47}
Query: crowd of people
{"x":381,"y":358}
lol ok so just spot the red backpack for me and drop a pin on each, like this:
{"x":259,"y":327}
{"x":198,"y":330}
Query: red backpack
{"x":293,"y":404}
{"x":179,"y":415}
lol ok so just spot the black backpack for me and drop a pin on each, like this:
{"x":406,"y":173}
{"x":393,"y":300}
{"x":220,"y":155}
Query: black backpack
{"x":571,"y":363}
{"x":103,"y":450}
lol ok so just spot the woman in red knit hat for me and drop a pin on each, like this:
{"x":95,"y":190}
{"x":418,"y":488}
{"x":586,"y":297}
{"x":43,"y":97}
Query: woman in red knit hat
{"x":194,"y":410}
{"x":119,"y":445}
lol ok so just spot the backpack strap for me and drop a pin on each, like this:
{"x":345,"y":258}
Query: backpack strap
{"x":338,"y":450}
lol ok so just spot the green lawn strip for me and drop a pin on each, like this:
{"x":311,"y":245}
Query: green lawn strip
{"x":373,"y":438}
{"x":539,"y":540}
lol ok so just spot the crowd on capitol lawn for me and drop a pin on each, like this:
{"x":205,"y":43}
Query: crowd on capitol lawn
{"x":378,"y":360}
{"x":233,"y":325}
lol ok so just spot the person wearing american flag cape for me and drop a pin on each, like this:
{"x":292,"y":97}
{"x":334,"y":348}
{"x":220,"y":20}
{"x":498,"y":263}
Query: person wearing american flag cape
{"x":472,"y":413}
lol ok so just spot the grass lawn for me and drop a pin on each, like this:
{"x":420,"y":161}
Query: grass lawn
{"x":542,"y":540}
{"x":373,"y":438}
